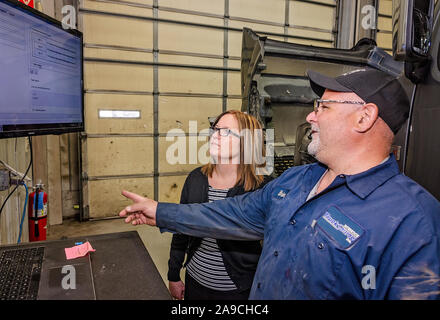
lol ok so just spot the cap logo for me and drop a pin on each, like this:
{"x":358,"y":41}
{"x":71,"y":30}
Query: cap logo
{"x":354,"y":71}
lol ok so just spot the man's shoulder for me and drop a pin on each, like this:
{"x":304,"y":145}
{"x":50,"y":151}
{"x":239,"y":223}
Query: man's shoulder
{"x":419,"y":201}
{"x":292,"y":172}
{"x":414,"y":192}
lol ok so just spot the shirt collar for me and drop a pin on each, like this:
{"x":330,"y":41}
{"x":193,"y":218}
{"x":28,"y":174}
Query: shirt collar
{"x":364,"y":183}
{"x":311,"y":176}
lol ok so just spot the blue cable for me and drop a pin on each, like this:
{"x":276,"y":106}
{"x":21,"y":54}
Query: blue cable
{"x":24,"y":212}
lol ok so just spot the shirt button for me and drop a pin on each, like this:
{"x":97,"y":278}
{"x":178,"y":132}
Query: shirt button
{"x":320,"y":245}
{"x":293,"y":222}
{"x":275,"y":253}
{"x":259,"y":285}
{"x":342,"y":176}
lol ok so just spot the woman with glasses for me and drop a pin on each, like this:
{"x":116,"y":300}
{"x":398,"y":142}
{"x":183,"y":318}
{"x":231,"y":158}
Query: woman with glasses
{"x":220,"y":269}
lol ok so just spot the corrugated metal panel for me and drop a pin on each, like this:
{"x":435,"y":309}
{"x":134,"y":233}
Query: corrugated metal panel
{"x":176,"y":61}
{"x":385,"y":25}
{"x":15,"y":152}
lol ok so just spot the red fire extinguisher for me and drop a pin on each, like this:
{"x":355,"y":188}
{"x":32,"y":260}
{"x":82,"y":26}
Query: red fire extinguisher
{"x":37,"y":214}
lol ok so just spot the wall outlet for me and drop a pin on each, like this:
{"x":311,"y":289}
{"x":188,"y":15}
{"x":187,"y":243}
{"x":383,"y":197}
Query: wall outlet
{"x":5,"y":180}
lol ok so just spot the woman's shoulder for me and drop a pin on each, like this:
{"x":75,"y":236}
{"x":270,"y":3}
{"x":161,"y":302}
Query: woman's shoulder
{"x":196,"y":182}
{"x":196,"y":174}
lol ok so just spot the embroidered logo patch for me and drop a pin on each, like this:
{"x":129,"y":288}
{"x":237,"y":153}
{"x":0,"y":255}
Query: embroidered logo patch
{"x":339,"y":227}
{"x":280,"y":193}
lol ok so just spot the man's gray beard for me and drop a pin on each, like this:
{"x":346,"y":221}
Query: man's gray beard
{"x":313,"y":147}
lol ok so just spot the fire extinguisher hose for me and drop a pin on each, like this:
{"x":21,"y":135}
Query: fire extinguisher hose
{"x":24,"y":212}
{"x":37,"y":231}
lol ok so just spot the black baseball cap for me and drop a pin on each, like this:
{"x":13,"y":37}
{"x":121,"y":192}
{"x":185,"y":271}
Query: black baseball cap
{"x":373,"y":86}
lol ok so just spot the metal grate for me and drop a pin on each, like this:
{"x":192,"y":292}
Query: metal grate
{"x":282,"y":164}
{"x":20,"y":271}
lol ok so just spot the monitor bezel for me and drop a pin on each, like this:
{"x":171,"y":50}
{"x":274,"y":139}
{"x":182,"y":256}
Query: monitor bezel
{"x":43,"y":128}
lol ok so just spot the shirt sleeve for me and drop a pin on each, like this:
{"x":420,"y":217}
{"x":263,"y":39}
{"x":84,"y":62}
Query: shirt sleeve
{"x":237,"y":218}
{"x":419,"y":278}
{"x":419,"y":274}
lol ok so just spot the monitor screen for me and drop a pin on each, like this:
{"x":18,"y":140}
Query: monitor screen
{"x":41,"y":74}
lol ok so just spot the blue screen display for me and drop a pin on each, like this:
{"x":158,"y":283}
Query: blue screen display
{"x":40,"y":73}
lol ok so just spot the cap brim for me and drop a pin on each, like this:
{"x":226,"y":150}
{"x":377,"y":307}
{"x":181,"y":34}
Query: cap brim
{"x":320,"y":82}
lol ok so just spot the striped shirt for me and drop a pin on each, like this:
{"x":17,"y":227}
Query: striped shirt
{"x":207,"y":266}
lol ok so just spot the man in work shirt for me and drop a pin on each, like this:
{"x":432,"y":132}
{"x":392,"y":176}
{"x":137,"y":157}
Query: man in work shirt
{"x":350,"y":226}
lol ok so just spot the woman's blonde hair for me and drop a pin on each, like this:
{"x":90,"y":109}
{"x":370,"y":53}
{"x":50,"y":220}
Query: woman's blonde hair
{"x":247,"y":172}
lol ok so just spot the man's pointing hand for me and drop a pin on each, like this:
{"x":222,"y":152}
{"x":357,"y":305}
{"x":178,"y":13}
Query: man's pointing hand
{"x":142,"y":211}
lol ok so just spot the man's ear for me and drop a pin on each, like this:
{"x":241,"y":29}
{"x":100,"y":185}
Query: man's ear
{"x":366,"y":117}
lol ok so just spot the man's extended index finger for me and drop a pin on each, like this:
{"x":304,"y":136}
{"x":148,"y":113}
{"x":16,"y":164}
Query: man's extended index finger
{"x":133,"y":196}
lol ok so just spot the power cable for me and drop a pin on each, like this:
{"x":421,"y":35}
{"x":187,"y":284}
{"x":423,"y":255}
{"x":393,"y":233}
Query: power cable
{"x":22,"y":179}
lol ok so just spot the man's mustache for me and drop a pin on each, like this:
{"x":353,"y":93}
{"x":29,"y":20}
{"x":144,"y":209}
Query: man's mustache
{"x":312,"y":130}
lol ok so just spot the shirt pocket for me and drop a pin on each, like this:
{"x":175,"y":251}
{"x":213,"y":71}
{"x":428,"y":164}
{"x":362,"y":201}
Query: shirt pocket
{"x":322,"y":252}
{"x":318,"y":266}
{"x":339,"y":228}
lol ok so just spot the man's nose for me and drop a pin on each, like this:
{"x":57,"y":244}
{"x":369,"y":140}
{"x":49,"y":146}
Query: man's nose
{"x":311,"y":117}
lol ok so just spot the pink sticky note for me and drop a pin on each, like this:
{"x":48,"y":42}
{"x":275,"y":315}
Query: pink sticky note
{"x":78,"y":251}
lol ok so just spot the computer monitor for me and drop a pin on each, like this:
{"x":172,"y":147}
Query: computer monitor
{"x":41,"y":74}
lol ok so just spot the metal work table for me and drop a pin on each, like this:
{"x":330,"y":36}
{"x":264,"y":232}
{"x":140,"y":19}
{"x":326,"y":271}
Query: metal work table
{"x":120,"y":268}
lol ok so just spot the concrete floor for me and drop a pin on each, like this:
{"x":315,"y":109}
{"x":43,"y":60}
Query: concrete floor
{"x":157,"y":244}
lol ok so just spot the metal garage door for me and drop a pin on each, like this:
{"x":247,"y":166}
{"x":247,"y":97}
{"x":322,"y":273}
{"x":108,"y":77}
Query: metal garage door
{"x":385,"y":26}
{"x":168,"y":64}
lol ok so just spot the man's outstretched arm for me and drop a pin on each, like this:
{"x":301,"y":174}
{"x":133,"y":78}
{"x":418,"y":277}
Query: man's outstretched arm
{"x":238,"y":218}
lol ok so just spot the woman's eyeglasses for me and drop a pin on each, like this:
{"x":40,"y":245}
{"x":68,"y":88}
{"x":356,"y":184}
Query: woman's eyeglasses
{"x":224,"y":132}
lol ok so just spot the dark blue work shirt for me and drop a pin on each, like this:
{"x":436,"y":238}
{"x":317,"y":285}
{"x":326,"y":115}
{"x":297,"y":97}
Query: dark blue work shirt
{"x":372,"y":235}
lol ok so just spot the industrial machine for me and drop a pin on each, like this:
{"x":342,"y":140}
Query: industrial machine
{"x":276,"y":90}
